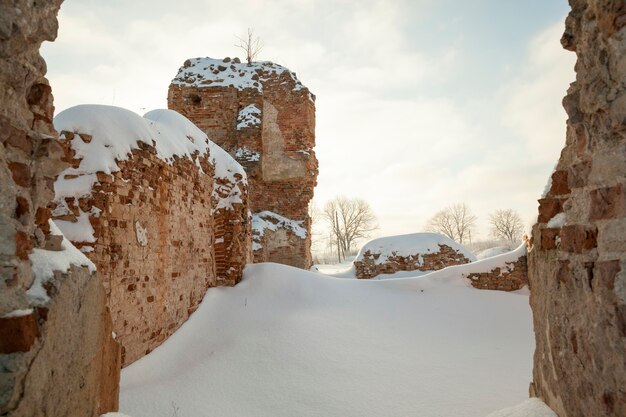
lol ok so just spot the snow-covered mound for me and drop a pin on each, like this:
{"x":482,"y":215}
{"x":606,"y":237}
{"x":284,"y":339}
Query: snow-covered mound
{"x":210,"y":72}
{"x":410,"y":245}
{"x":287,"y":342}
{"x":488,"y":253}
{"x":115,"y":132}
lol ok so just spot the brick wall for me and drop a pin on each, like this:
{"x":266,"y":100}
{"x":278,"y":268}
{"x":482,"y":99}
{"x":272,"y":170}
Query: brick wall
{"x":578,"y":259}
{"x":161,"y":231}
{"x":277,"y":152}
{"x":512,"y":276}
{"x":57,"y":356}
{"x":368,"y":267}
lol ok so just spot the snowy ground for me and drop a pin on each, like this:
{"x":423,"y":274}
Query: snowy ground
{"x":287,"y":342}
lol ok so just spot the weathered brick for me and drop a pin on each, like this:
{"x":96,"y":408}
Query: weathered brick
{"x":17,"y":334}
{"x":20,"y":173}
{"x":559,"y":183}
{"x":607,"y":203}
{"x":578,"y":238}
{"x":548,"y":208}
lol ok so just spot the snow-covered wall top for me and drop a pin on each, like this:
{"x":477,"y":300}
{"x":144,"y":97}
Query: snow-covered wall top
{"x":267,"y":220}
{"x":115,"y":132}
{"x":411,"y":245}
{"x":210,"y":72}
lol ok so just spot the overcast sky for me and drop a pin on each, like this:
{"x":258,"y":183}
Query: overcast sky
{"x":420,"y":104}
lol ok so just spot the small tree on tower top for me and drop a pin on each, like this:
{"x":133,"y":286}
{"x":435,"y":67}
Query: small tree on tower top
{"x":251,"y":45}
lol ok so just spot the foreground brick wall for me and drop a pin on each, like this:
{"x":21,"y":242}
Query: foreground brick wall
{"x":154,"y":257}
{"x":160,"y":231}
{"x":57,"y":356}
{"x":275,"y":145}
{"x":369,"y":268}
{"x":577,"y":264}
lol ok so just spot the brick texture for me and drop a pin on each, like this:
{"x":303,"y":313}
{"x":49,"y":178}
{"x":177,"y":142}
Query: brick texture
{"x":576,"y":271}
{"x":57,"y":355}
{"x":158,"y":241}
{"x":369,"y":268}
{"x":510,"y":278}
{"x":277,"y":153}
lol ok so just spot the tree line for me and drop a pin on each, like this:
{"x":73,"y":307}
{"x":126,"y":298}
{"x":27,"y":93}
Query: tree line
{"x":350,"y":220}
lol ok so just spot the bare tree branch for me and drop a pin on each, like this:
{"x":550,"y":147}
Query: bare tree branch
{"x":455,"y":221}
{"x":250,"y":45}
{"x":350,"y":219}
{"x":506,"y":224}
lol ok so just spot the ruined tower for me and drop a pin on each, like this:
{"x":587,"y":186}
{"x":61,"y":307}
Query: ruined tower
{"x":265,"y":118}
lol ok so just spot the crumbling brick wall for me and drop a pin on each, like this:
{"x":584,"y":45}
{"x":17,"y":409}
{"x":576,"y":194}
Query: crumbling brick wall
{"x":233,"y":237}
{"x":511,"y":277}
{"x":57,"y":356}
{"x":368,"y":267}
{"x":160,"y":231}
{"x":263,"y":116}
{"x":578,"y":261}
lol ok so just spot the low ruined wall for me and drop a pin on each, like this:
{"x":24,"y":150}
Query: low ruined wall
{"x":150,"y":226}
{"x":57,"y":356}
{"x":265,"y":118}
{"x":577,"y":264}
{"x":512,"y":276}
{"x":368,"y":267}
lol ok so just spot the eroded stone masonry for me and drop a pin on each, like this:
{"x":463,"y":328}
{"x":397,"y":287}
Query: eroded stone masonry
{"x":57,"y":354}
{"x":413,"y":252}
{"x":577,"y":267}
{"x":159,"y":209}
{"x":264,"y":117}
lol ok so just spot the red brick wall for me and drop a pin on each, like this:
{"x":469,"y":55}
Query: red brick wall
{"x":510,"y":278}
{"x":153,"y":285}
{"x":369,"y":268}
{"x":282,"y":180}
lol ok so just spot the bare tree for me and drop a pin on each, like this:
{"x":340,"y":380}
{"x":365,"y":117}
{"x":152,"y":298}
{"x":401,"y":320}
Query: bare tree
{"x":251,"y":45}
{"x":506,"y":224}
{"x":349,"y":219}
{"x":455,"y":221}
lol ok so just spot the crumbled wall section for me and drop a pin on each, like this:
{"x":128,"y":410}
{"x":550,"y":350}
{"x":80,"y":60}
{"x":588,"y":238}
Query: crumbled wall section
{"x":577,"y":267}
{"x":233,"y":237}
{"x":153,"y":237}
{"x":57,"y":356}
{"x":367,"y":267}
{"x":513,"y":276}
{"x":265,"y":118}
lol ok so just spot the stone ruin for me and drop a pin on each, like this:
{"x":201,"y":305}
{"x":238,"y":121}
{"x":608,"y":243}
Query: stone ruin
{"x":505,"y":272}
{"x":160,"y":210}
{"x":413,"y":252}
{"x":57,"y":355}
{"x":265,"y":118}
{"x":577,"y":266}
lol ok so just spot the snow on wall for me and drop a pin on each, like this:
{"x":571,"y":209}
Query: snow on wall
{"x":46,"y":262}
{"x":267,"y":220}
{"x":248,"y":116}
{"x":210,"y":72}
{"x":503,"y":261}
{"x":113,"y":134}
{"x":410,"y":245}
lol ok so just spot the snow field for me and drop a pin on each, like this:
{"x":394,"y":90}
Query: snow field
{"x":287,"y":342}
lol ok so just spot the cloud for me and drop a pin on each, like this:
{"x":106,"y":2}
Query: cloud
{"x":383,"y":132}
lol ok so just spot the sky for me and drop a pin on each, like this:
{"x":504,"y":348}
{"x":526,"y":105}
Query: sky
{"x":420,"y":104}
